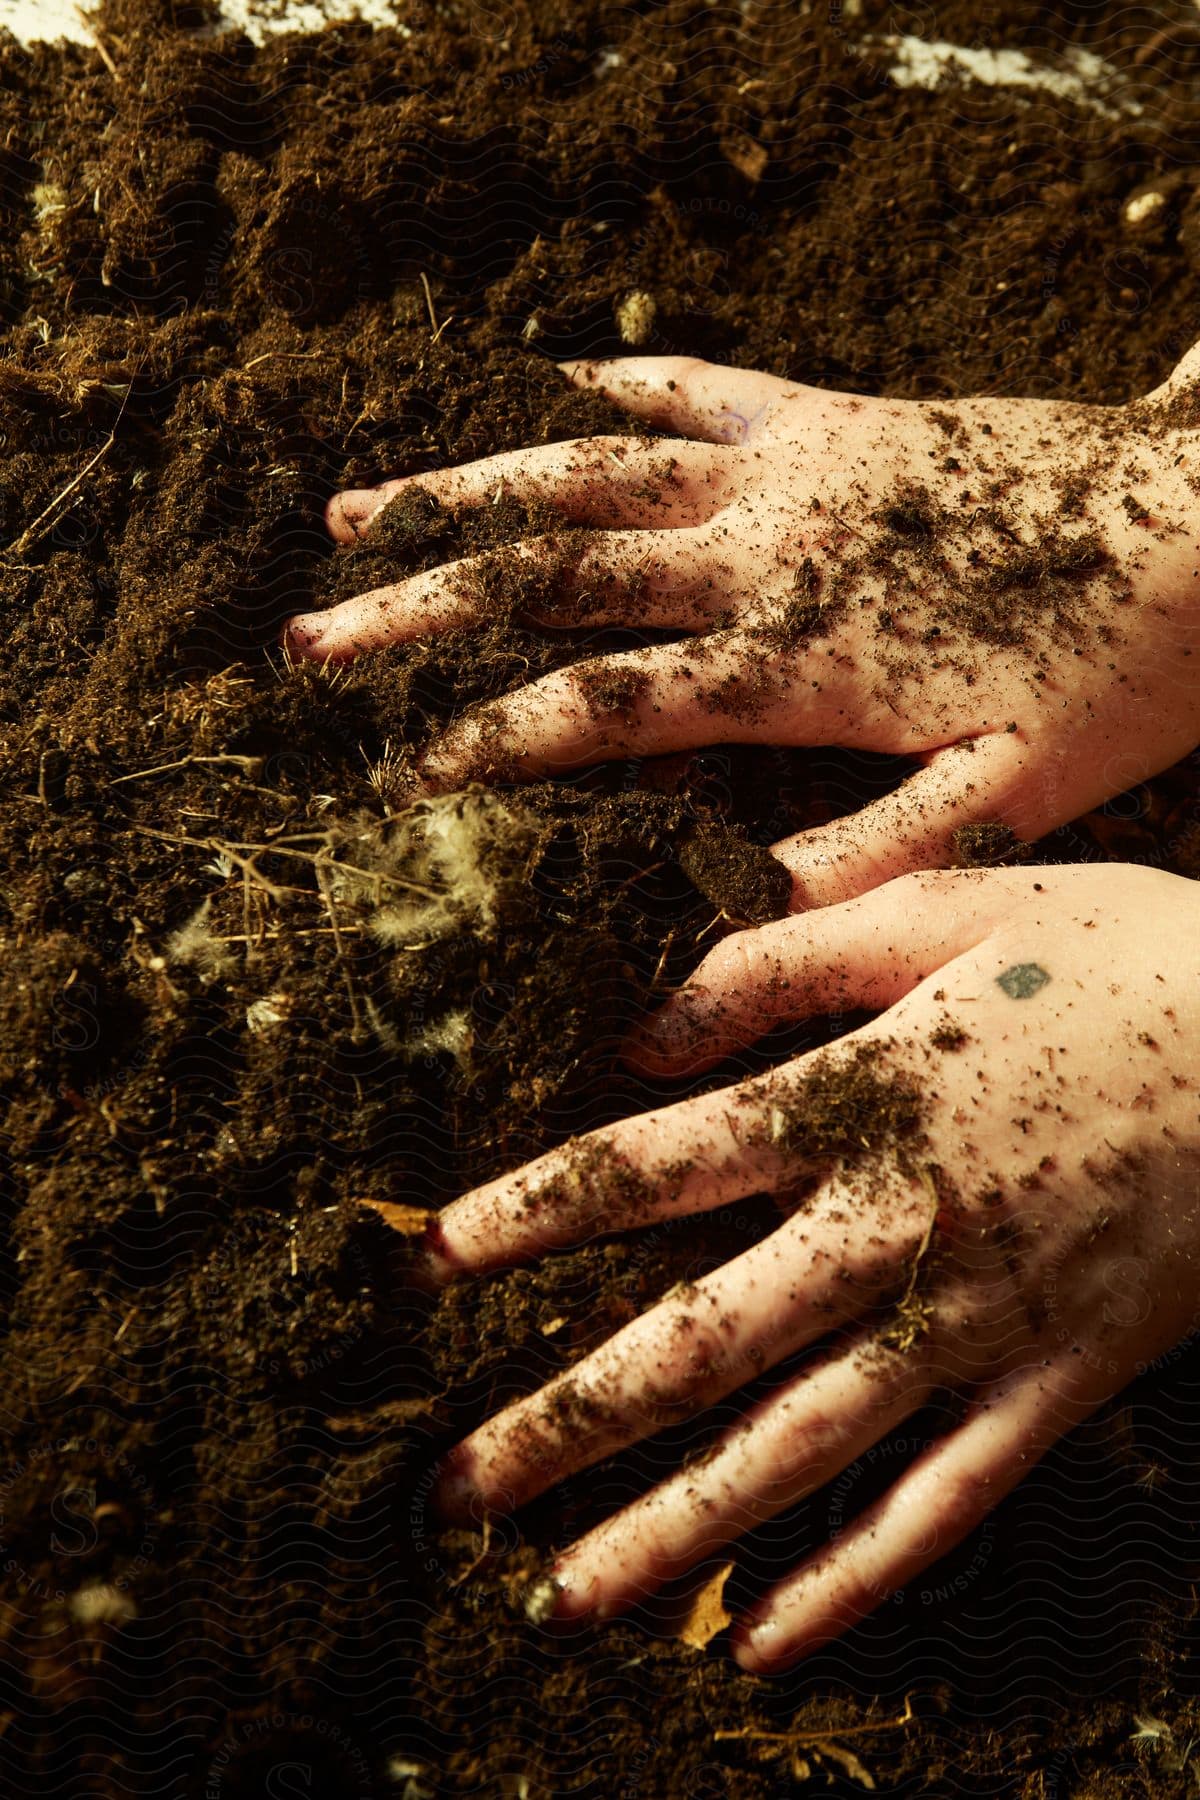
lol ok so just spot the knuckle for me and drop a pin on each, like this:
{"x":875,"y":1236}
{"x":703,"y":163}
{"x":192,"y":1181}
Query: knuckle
{"x":733,"y":964}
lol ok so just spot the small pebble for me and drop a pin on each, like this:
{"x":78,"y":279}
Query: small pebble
{"x":1143,"y":207}
{"x":100,"y":1603}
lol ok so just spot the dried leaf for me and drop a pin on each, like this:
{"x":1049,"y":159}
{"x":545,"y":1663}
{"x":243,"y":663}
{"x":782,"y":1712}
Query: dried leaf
{"x":748,"y":156}
{"x":377,"y":1419}
{"x":409,"y":1221}
{"x":707,"y":1615}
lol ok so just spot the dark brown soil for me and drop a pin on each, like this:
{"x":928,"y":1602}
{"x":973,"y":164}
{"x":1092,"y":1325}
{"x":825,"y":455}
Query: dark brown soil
{"x":232,"y":1012}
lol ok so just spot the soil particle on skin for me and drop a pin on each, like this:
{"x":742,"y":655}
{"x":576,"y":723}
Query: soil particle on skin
{"x":1014,"y":593}
{"x":987,"y":844}
{"x":587,"y":1176}
{"x":1042,"y":575}
{"x":226,"y":1022}
{"x":804,"y":614}
{"x":910,"y":516}
{"x":845,"y":1106}
{"x":609,"y":690}
{"x":948,"y":1035}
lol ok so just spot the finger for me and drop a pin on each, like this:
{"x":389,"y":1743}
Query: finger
{"x":641,"y":703}
{"x":848,"y":1101}
{"x":981,"y":780}
{"x":700,"y":1343}
{"x":930,"y":1509}
{"x":657,"y":578}
{"x":685,"y":394}
{"x":864,"y":953}
{"x":593,"y":481}
{"x":789,"y":1445}
{"x":679,"y":1159}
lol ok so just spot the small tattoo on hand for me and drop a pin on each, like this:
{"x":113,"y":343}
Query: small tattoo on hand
{"x":1022,"y":980}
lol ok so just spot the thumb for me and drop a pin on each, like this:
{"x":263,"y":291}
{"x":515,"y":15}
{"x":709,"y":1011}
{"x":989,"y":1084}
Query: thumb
{"x":863,"y":954}
{"x":980,"y":781}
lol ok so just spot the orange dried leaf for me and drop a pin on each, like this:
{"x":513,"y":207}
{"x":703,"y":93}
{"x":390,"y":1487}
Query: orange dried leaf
{"x":409,"y":1221}
{"x":707,"y":1615}
{"x":748,"y":156}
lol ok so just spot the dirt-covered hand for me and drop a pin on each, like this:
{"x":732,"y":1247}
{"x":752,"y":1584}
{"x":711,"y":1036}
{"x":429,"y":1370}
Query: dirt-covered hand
{"x":1006,"y":590}
{"x":992,"y":1189}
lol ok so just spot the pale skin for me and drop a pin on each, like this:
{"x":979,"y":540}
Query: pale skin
{"x":1034,"y":1242}
{"x":708,"y":533}
{"x":1060,"y":1258}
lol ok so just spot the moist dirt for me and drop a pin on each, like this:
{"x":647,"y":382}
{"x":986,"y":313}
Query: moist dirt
{"x":246,"y":991}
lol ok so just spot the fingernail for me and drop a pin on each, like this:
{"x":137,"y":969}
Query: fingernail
{"x":577,"y":366}
{"x":757,"y":1649}
{"x":644,"y":1049}
{"x":304,"y":633}
{"x":435,"y":1262}
{"x":573,"y":1598}
{"x":432,"y":778}
{"x":454,"y":1493}
{"x":429,"y":1272}
{"x":358,"y":507}
{"x":669,"y":1036}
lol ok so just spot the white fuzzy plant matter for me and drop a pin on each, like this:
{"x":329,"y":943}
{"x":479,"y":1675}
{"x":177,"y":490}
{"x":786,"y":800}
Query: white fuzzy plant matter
{"x":447,"y":846}
{"x":1076,"y":74}
{"x":46,"y":21}
{"x":457,"y":851}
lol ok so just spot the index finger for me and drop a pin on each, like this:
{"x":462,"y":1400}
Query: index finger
{"x":686,"y":394}
{"x":679,"y":696}
{"x":854,"y":1101}
{"x":860,"y":954}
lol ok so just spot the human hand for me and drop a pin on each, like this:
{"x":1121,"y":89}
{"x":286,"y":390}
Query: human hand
{"x":1004,"y":590}
{"x":1002,"y":1199}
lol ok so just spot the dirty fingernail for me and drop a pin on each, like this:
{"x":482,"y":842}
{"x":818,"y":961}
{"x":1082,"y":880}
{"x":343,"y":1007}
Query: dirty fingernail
{"x":430,"y":1273}
{"x":359,"y":506}
{"x":455,"y":1495}
{"x":672,"y":1032}
{"x":304,"y":633}
{"x":578,"y":366}
{"x":645,"y":1048}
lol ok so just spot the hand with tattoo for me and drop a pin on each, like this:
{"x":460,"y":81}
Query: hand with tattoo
{"x":991,"y":1190}
{"x":1007,"y":591}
